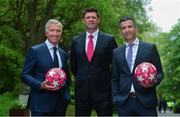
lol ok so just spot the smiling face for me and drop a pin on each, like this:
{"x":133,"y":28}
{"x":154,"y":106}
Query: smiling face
{"x":91,"y":21}
{"x":53,"y":33}
{"x":128,"y":30}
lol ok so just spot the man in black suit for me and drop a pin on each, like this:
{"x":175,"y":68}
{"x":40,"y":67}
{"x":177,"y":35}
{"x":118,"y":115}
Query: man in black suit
{"x":46,"y":100}
{"x":91,"y":56}
{"x":129,"y":97}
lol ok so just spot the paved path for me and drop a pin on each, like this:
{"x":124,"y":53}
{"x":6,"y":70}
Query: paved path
{"x":169,"y":114}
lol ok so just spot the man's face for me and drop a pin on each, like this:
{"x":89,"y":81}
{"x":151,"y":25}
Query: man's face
{"x":54,"y":33}
{"x":128,"y":30}
{"x":91,"y":20}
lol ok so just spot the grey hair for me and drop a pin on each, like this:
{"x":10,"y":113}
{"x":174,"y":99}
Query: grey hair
{"x":53,"y":21}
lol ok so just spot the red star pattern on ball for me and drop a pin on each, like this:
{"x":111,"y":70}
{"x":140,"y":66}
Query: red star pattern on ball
{"x":146,"y":74}
{"x":56,"y":77}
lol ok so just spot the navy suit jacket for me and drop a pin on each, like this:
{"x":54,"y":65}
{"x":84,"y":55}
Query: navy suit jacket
{"x":93,"y":79}
{"x":38,"y":62}
{"x":122,"y":78}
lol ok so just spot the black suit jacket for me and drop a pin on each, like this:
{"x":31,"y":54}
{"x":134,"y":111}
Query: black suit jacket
{"x":92,"y":79}
{"x":38,"y":62}
{"x":122,"y":78}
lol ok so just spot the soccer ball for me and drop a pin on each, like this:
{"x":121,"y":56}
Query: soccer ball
{"x":56,"y":77}
{"x":146,"y":74}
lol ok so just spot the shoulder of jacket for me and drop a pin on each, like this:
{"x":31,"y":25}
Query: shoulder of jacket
{"x":105,"y":34}
{"x":147,"y":44}
{"x":79,"y":36}
{"x":118,"y":49}
{"x":38,"y":46}
{"x":63,"y":51}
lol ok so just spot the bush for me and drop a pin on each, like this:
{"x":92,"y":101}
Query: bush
{"x":17,"y":105}
{"x":10,"y":68}
{"x":6,"y":102}
{"x":11,"y":58}
{"x":176,"y":107}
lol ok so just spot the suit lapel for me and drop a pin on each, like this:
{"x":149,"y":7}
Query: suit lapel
{"x":99,"y":42}
{"x":47,"y":53}
{"x":97,"y":47}
{"x":62,"y":57}
{"x":123,"y":58}
{"x":83,"y":44}
{"x":139,"y":54}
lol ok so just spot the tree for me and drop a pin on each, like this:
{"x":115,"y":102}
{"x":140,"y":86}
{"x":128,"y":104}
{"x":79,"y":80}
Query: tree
{"x":170,"y":43}
{"x":22,"y":24}
{"x":11,"y":58}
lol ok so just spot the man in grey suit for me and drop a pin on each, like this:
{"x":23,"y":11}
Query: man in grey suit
{"x":46,"y":100}
{"x":130,"y":98}
{"x":91,"y":57}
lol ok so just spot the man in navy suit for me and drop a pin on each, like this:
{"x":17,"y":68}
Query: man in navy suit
{"x":44,"y":99}
{"x":90,"y":63}
{"x":130,"y":98}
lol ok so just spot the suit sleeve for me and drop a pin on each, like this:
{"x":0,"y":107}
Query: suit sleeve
{"x":157,"y":62}
{"x":113,"y":45}
{"x":68,"y":82}
{"x":115,"y":77}
{"x":29,"y":65}
{"x":67,"y":70}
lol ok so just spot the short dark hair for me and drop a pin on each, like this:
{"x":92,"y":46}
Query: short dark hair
{"x":91,"y":10}
{"x":125,"y":18}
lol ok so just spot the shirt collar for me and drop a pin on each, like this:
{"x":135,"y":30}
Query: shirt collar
{"x":136,"y":42}
{"x":95,"y":34}
{"x":49,"y":45}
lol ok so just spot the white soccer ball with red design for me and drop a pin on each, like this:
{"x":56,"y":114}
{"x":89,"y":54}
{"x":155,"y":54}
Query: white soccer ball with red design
{"x":56,"y":77}
{"x":146,"y":74}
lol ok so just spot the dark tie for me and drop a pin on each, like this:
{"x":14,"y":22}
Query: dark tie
{"x":90,"y":48}
{"x":56,"y":63}
{"x":129,"y":56}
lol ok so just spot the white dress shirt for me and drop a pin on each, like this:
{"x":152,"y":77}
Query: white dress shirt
{"x":95,"y":36}
{"x":134,"y":53}
{"x":51,"y":50}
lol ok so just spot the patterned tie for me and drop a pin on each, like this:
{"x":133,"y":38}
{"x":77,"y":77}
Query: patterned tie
{"x":129,"y":56}
{"x":56,"y":63}
{"x":90,"y":48}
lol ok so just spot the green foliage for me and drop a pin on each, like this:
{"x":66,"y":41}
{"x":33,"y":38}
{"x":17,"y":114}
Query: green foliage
{"x":17,"y":105}
{"x":11,"y":58}
{"x":170,"y":46}
{"x":29,"y":17}
{"x":176,"y":107}
{"x":10,"y":37}
{"x":22,"y":25}
{"x":6,"y":100}
{"x":10,"y":68}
